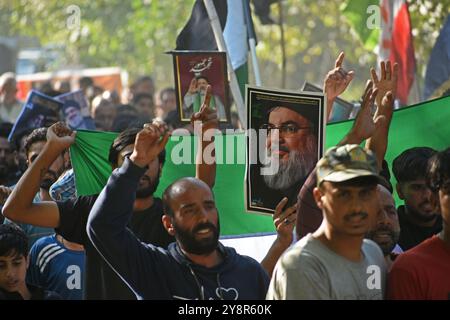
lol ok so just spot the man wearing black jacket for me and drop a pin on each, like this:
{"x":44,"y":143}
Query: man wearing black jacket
{"x":197,"y":266}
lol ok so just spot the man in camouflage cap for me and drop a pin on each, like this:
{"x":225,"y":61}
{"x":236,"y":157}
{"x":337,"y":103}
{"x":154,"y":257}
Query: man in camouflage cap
{"x":343,"y":163}
{"x":336,"y":262}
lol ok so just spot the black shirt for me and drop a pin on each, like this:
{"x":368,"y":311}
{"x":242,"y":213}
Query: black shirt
{"x":101,"y":282}
{"x":411,"y":234}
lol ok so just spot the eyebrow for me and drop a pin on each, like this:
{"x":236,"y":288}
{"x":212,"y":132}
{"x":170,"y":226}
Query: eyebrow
{"x":187,"y":206}
{"x":191,"y":205}
{"x":13,"y":258}
{"x":288,"y":122}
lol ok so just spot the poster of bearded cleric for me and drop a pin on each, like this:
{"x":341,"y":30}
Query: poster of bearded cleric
{"x":193,"y":72}
{"x":76,"y":110}
{"x":38,"y":111}
{"x":285,"y":141}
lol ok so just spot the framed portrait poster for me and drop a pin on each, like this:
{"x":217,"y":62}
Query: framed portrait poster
{"x":284,"y":143}
{"x":193,"y":71}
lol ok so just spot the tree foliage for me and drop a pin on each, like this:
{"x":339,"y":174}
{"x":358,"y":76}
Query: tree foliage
{"x":135,"y":34}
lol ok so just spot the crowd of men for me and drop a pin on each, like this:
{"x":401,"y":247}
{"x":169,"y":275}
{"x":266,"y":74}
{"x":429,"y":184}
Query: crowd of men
{"x":126,"y":243}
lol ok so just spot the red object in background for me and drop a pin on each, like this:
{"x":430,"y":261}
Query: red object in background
{"x":396,"y":44}
{"x":23,"y":88}
{"x":107,"y":78}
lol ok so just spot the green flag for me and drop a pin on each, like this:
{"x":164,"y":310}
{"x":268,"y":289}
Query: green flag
{"x":362,"y":16}
{"x":89,"y":156}
{"x":242,"y":77}
{"x":424,"y":124}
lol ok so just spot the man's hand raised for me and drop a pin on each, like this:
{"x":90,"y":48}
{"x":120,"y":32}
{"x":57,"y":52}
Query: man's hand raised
{"x":337,"y":79}
{"x":193,"y":86}
{"x":386,"y":82}
{"x":60,"y":137}
{"x":364,"y":125}
{"x":150,"y":141}
{"x":206,"y":115}
{"x":387,"y":105}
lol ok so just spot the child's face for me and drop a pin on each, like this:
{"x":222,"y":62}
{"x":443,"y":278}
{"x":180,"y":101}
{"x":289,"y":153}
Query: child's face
{"x":13,"y":269}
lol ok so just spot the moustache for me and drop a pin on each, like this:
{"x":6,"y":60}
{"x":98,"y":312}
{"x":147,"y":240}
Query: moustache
{"x":426,"y":202}
{"x":279,"y":148}
{"x":360,"y":214}
{"x":145,"y":178}
{"x":384,"y":229}
{"x":205,"y":225}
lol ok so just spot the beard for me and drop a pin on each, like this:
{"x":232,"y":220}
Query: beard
{"x":7,"y":170}
{"x":4,"y":171}
{"x":49,"y":179}
{"x":148,"y":189}
{"x":295,"y":168}
{"x":191,"y":244}
{"x":76,"y":121}
{"x":423,"y":217}
{"x":386,"y":247}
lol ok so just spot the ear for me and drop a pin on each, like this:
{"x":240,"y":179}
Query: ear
{"x":167,"y":223}
{"x":317,"y":193}
{"x":27,"y":260}
{"x":398,"y":187}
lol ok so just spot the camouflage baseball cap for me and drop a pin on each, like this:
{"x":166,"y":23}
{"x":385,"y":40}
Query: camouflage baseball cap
{"x":345,"y":163}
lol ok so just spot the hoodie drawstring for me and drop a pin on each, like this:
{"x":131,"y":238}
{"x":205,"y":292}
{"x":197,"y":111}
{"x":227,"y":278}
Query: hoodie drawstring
{"x":201,"y":289}
{"x":219,"y":286}
{"x":199,"y":286}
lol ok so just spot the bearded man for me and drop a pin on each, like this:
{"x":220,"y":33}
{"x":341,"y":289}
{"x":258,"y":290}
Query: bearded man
{"x":292,"y":152}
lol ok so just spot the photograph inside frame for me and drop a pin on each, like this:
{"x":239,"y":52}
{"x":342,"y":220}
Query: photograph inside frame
{"x":285,"y":141}
{"x":193,"y":72}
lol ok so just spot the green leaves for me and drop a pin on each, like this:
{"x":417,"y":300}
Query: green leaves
{"x":135,"y":34}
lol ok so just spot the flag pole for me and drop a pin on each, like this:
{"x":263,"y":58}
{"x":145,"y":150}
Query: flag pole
{"x":234,"y":86}
{"x":252,"y":41}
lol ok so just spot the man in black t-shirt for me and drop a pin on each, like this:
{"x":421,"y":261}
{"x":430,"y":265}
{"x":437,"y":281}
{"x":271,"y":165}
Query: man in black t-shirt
{"x":69,"y":218}
{"x":101,"y":281}
{"x":418,"y":217}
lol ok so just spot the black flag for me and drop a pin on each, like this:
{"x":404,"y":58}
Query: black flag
{"x":197,"y":34}
{"x":262,"y":10}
